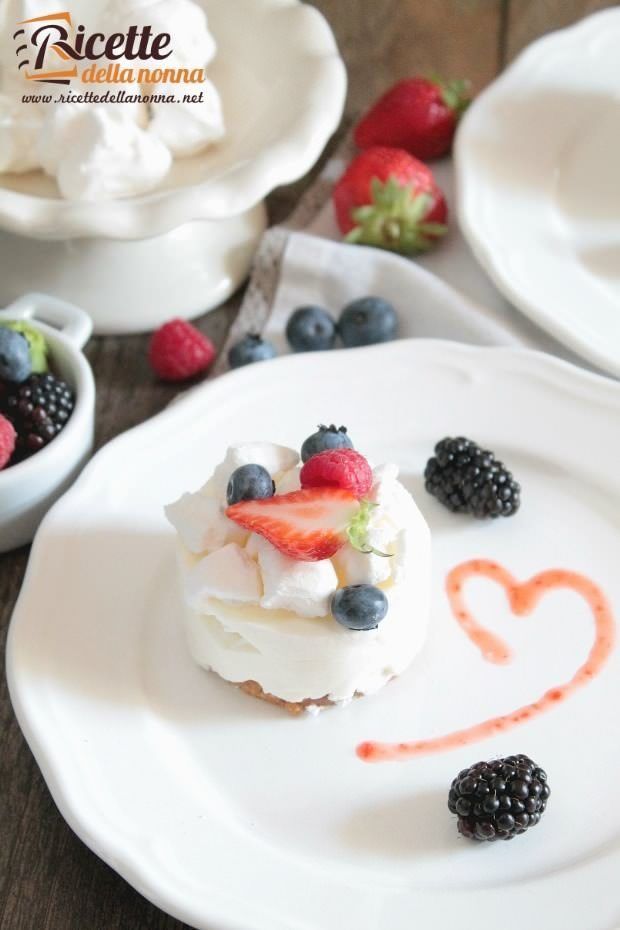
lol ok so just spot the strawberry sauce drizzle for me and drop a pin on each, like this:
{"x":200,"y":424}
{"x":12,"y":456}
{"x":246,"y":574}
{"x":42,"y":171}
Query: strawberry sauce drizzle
{"x":523,"y":598}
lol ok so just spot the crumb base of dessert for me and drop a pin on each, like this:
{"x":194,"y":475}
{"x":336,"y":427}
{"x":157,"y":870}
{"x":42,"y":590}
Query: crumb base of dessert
{"x":292,"y":707}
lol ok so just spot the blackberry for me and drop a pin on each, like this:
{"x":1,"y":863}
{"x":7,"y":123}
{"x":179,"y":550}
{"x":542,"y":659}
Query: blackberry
{"x":500,"y":799}
{"x":468,"y":479}
{"x":38,"y":409}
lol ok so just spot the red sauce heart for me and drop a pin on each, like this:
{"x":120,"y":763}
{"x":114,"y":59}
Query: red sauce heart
{"x":522,"y":597}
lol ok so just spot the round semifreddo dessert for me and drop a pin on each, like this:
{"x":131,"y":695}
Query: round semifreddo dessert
{"x":305,"y":585}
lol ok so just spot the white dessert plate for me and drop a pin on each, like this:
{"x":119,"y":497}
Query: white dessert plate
{"x":538,"y":198}
{"x":233,"y":815}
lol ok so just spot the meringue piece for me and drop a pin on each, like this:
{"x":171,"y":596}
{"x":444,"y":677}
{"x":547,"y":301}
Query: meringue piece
{"x":288,"y":482}
{"x":305,"y":588}
{"x":86,"y":12}
{"x":228,"y":574}
{"x":192,"y":44}
{"x":202,"y":524}
{"x":187,"y":128}
{"x":109,"y":157}
{"x":355,"y":567}
{"x":385,"y":522}
{"x":276,"y":459}
{"x":20,"y":125}
{"x":53,"y":140}
{"x":60,"y":124}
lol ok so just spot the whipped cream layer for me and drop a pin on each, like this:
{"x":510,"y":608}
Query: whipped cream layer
{"x":253,"y":614}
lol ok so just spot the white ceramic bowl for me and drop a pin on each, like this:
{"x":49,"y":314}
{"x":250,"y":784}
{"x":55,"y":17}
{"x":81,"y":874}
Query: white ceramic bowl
{"x":283,"y":85}
{"x":538,"y":199}
{"x":28,"y":490}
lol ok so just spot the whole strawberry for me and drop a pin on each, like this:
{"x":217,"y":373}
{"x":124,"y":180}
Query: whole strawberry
{"x":418,"y":114}
{"x":179,"y":351}
{"x":387,"y":198}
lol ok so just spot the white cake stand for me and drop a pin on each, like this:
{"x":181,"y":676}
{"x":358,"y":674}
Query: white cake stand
{"x":185,"y":247}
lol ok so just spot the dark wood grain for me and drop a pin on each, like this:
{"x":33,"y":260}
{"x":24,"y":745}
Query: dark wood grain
{"x":528,"y":19}
{"x":48,"y":879}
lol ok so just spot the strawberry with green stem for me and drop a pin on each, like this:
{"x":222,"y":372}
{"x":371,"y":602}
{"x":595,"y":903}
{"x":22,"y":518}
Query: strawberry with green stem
{"x":419,"y":114}
{"x":387,"y":198}
{"x":308,"y":525}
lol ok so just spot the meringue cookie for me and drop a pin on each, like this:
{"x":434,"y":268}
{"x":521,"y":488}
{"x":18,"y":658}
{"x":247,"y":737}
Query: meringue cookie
{"x":110,"y":157}
{"x":202,"y":524}
{"x":192,"y":44}
{"x":228,"y":574}
{"x":55,"y":136}
{"x":305,"y":588}
{"x":20,"y":125}
{"x":187,"y":128}
{"x":288,"y":481}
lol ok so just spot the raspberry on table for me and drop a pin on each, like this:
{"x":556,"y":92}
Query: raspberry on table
{"x":178,"y":351}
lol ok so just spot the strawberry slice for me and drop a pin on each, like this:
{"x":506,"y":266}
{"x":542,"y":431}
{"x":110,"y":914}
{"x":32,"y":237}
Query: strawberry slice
{"x":307,"y":525}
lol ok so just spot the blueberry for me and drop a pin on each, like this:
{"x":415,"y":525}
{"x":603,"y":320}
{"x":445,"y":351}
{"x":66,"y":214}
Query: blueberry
{"x":359,"y":606}
{"x":310,"y":329}
{"x":366,"y":321}
{"x":15,"y":364}
{"x":326,"y":437}
{"x":251,"y":348}
{"x":248,"y":483}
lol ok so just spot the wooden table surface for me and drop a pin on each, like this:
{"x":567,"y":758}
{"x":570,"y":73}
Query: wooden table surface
{"x":48,"y":879}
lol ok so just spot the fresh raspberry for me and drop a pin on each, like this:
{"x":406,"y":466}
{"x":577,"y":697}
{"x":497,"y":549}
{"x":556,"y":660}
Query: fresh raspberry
{"x":8,"y":438}
{"x":338,"y":468}
{"x":178,"y":351}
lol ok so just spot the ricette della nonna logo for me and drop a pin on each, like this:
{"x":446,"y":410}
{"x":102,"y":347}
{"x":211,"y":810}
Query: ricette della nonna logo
{"x":53,"y":49}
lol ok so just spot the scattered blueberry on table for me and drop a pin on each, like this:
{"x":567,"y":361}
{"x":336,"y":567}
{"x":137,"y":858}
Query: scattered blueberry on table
{"x":249,"y":349}
{"x":311,"y":329}
{"x":366,"y":321}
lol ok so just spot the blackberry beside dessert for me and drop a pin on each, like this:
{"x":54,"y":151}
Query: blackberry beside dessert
{"x":468,"y":479}
{"x":499,"y":800}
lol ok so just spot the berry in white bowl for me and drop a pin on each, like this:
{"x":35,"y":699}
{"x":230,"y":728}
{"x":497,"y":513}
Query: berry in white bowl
{"x":50,"y":412}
